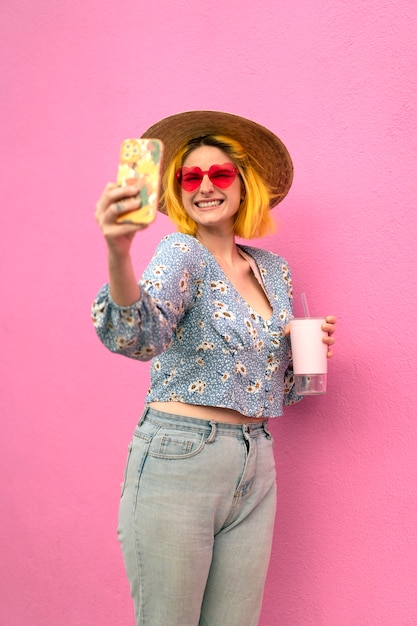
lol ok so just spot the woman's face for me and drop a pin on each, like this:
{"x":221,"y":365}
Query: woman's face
{"x":210,"y":206}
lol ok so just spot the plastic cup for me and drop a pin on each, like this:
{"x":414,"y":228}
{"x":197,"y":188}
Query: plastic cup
{"x":309,"y":355}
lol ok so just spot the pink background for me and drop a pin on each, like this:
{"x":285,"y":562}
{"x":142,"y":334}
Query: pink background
{"x":337,"y":81}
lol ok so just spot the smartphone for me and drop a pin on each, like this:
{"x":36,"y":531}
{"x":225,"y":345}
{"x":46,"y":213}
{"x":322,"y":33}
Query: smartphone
{"x":140,"y":164}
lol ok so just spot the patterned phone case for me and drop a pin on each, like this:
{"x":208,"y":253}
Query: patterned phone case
{"x":140,"y":164}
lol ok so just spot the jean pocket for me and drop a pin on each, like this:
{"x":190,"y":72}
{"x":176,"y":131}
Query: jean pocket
{"x":176,"y":444}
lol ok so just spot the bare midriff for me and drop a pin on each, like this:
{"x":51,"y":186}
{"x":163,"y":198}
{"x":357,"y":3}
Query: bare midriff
{"x":209,"y":413}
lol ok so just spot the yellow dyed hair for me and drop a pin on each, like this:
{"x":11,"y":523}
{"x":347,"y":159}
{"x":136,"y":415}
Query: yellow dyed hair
{"x":253,"y":218}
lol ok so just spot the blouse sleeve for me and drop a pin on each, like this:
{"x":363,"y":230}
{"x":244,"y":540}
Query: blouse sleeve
{"x":290,"y":397}
{"x":168,"y":285}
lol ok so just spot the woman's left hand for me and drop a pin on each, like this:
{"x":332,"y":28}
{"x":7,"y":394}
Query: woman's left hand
{"x":329,"y":327}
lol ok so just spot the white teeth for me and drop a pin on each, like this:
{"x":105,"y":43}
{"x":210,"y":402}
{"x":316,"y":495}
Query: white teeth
{"x":205,"y":205}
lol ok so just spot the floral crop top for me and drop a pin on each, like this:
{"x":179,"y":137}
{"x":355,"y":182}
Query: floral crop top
{"x":207,"y":345}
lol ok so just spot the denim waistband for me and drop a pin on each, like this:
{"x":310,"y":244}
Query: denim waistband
{"x":182,"y":422}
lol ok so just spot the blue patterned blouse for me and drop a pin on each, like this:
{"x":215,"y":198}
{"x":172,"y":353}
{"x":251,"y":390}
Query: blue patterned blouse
{"x":207,"y":345}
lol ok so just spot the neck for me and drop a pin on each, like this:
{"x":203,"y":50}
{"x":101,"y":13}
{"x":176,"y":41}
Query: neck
{"x":222,"y":246}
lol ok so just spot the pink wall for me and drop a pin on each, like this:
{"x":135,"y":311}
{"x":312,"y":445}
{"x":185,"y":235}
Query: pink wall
{"x":336,"y":80}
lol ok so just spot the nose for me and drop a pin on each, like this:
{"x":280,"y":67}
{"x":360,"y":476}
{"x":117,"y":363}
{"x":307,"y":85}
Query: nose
{"x":206,"y":185}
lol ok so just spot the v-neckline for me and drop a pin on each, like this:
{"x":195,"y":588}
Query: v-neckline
{"x":255,"y":270}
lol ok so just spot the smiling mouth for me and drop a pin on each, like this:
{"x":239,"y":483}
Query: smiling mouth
{"x":207,"y":204}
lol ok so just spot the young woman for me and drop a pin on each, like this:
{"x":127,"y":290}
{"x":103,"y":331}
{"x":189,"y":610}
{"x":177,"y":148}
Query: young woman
{"x":198,"y":500}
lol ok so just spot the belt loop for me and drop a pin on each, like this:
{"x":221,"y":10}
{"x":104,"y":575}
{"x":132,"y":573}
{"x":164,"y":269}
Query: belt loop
{"x":144,"y":414}
{"x":266,"y":431}
{"x":212,"y":434}
{"x":246,"y":435}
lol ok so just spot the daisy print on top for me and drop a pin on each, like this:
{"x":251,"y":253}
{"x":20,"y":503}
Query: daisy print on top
{"x":206,"y":345}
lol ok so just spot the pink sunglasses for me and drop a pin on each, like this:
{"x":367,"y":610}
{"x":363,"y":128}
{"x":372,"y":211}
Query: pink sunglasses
{"x":190,"y":178}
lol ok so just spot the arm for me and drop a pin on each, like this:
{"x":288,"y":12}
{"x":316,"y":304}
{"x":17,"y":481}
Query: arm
{"x":145,"y":328}
{"x":113,"y":202}
{"x":117,"y":303}
{"x":290,"y":397}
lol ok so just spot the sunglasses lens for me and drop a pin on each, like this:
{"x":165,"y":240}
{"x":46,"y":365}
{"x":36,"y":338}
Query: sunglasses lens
{"x":222,"y":176}
{"x":190,"y":178}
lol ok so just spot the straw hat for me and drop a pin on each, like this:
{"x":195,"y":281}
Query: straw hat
{"x":268,"y":154}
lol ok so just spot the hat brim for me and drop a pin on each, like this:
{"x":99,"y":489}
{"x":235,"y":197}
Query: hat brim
{"x":268,"y":154}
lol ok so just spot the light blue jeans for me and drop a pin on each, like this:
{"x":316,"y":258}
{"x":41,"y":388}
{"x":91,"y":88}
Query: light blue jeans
{"x":196,"y":520}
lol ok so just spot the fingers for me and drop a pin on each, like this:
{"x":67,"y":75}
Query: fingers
{"x":328,"y":340}
{"x":114,"y":202}
{"x":113,"y":194}
{"x":329,"y":327}
{"x":124,"y":206}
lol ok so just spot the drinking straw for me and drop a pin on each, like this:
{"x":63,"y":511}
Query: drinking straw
{"x":305,"y":305}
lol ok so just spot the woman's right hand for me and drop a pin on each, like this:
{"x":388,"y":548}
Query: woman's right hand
{"x":115,"y":201}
